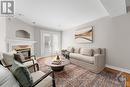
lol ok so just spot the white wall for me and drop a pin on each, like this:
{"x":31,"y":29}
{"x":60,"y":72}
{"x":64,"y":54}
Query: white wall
{"x":14,"y":24}
{"x":2,"y":34}
{"x":110,"y":33}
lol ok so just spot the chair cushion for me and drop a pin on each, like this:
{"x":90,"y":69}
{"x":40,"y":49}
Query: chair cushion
{"x":88,"y":59}
{"x":6,"y":78}
{"x":22,"y":74}
{"x":29,"y":63}
{"x":8,"y":58}
{"x":86,"y":51}
{"x":47,"y":82}
{"x":19,"y":57}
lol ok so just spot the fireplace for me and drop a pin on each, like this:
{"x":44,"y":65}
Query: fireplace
{"x":24,"y":49}
{"x":26,"y":52}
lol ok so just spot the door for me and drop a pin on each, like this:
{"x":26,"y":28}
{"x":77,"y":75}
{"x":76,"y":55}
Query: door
{"x":50,"y":43}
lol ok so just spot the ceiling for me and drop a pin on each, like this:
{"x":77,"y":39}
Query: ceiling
{"x":62,"y":14}
{"x":115,"y":7}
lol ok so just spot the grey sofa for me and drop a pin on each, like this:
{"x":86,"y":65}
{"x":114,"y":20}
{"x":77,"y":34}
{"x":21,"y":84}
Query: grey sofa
{"x":91,"y":59}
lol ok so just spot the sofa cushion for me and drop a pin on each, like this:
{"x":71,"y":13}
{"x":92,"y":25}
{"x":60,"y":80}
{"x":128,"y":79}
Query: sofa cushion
{"x":22,"y":74}
{"x":70,"y":49}
{"x":47,"y":82}
{"x":6,"y":78}
{"x":76,"y":50}
{"x":88,"y":59}
{"x":86,"y":51}
{"x":8,"y":58}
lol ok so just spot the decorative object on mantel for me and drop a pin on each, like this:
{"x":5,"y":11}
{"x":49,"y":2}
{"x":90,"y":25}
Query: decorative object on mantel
{"x":84,"y":35}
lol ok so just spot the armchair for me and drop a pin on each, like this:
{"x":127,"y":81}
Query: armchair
{"x":40,"y":79}
{"x":7,"y":60}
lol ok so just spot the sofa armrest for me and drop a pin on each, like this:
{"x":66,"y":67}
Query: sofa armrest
{"x":99,"y":60}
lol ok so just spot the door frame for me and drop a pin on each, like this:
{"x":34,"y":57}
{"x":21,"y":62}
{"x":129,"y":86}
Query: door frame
{"x":49,"y":32}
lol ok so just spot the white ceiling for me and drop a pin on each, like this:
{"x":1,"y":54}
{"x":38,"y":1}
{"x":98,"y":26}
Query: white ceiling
{"x":115,"y":7}
{"x":59,"y":14}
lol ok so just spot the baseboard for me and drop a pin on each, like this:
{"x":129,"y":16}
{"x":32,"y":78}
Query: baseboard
{"x":118,"y":68}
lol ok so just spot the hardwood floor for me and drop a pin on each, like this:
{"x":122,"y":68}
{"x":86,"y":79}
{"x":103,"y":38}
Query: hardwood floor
{"x":124,"y":74}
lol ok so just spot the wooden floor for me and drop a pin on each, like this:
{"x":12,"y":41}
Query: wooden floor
{"x":124,"y":74}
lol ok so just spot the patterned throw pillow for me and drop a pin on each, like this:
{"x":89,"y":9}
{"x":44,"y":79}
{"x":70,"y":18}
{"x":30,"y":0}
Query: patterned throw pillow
{"x":19,"y":57}
{"x":22,"y":74}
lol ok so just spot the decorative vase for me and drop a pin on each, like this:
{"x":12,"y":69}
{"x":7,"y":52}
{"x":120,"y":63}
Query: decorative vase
{"x":58,"y":58}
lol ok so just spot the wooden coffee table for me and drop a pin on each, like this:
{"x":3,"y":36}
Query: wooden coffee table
{"x":58,"y":67}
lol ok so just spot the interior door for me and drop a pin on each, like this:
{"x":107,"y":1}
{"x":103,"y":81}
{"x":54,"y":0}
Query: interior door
{"x":46,"y":44}
{"x":50,"y":43}
{"x":55,"y":43}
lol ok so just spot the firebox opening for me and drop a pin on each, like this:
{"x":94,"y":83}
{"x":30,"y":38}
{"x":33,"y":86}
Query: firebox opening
{"x":24,"y":49}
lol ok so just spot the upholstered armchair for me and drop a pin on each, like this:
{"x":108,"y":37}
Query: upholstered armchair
{"x":39,"y":78}
{"x":31,"y":61}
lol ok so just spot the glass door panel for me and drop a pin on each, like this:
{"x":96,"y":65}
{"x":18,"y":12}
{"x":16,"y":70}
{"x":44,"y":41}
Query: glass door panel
{"x":46,"y":45}
{"x":50,"y":43}
{"x":55,"y":43}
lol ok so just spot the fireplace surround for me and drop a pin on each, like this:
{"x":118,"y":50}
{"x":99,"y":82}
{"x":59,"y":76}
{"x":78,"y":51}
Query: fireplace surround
{"x":25,"y":51}
{"x":24,"y":46}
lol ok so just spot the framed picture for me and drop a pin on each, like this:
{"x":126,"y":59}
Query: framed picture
{"x":84,"y":35}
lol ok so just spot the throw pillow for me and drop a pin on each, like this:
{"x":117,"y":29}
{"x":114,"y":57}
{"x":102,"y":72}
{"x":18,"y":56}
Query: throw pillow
{"x":96,"y":51}
{"x":22,"y":74}
{"x":76,"y":50}
{"x":8,"y":58}
{"x":86,"y":51}
{"x":70,"y":49}
{"x":19,"y":57}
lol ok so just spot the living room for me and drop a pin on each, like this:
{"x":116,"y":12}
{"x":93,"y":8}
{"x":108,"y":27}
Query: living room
{"x":83,"y":43}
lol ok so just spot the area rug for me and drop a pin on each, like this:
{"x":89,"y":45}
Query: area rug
{"x":75,"y":76}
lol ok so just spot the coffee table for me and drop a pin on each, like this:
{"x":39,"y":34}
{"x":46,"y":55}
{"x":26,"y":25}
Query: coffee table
{"x":58,"y":67}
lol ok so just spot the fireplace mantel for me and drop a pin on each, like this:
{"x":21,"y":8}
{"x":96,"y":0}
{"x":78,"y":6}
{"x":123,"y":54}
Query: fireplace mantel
{"x":21,"y":42}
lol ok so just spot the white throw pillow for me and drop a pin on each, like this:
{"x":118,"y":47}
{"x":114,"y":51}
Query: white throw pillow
{"x":76,"y":50}
{"x":6,"y":78}
{"x":8,"y":58}
{"x":70,"y":49}
{"x":86,"y":51}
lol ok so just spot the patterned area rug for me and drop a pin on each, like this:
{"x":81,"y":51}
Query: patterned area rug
{"x":75,"y":76}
